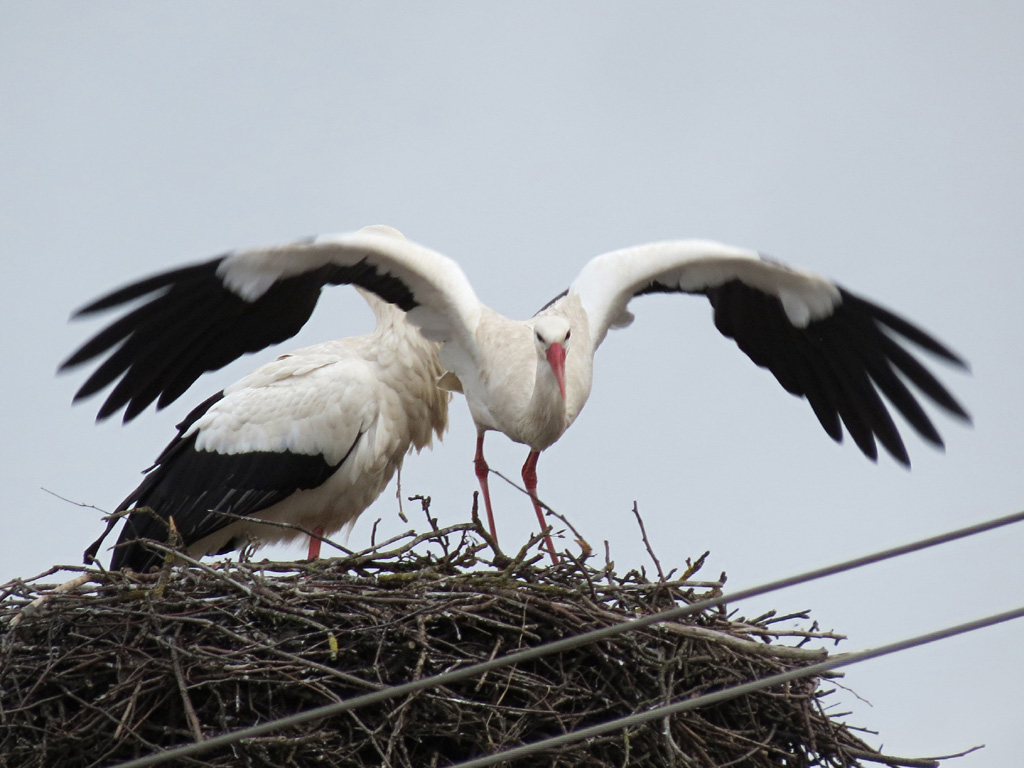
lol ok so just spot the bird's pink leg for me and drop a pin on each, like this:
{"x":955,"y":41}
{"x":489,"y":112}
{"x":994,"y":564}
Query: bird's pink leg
{"x":530,"y":480}
{"x":481,"y":474}
{"x":314,"y":544}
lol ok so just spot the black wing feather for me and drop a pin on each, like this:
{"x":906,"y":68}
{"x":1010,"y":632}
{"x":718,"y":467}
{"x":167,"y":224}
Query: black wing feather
{"x":904,"y":328}
{"x":842,"y":363}
{"x":194,"y":324}
{"x":195,"y":487}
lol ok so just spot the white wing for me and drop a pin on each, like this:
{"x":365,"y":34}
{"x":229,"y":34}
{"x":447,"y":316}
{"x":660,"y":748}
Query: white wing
{"x":204,"y":316}
{"x":608,"y":282}
{"x":819,"y":340}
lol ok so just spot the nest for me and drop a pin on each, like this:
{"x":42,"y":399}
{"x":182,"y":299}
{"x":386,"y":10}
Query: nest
{"x":131,"y":664}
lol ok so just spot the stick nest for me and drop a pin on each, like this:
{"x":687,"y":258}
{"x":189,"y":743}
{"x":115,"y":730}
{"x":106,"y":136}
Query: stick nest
{"x":131,"y":664}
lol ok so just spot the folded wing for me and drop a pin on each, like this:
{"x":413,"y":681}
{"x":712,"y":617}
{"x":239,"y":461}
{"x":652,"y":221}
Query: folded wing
{"x":316,"y":420}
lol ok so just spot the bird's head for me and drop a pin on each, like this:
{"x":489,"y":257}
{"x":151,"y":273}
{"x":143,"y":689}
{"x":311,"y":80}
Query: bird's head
{"x":551,"y":334}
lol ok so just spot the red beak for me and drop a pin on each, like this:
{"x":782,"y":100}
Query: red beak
{"x":556,"y":359}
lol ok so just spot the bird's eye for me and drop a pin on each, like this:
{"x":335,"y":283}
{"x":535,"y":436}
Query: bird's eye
{"x":567,"y":335}
{"x":540,"y":338}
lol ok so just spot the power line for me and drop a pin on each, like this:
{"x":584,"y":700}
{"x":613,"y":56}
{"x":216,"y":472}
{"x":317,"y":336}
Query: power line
{"x":840,"y":660}
{"x":565,"y":644}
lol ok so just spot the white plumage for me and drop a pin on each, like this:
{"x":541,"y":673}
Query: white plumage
{"x":311,"y":439}
{"x":530,"y":379}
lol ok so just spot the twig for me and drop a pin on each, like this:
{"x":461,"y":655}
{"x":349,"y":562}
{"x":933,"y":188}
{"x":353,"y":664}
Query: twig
{"x":36,"y":604}
{"x":398,"y":495}
{"x":910,"y":762}
{"x":291,"y":527}
{"x":647,"y":543}
{"x":582,"y":542}
{"x":81,"y":504}
{"x":190,"y":712}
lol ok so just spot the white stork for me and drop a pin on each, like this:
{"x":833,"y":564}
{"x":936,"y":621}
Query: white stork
{"x":530,"y":379}
{"x":310,"y":439}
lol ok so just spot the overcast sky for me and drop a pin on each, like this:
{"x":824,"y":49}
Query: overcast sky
{"x":877,"y":143}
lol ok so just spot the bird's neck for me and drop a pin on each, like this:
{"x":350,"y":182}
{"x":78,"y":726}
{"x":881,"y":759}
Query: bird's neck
{"x":548,"y":413}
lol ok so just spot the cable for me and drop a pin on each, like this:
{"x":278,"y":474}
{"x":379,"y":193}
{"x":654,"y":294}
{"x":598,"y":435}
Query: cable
{"x":568,"y":643}
{"x":840,"y":660}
